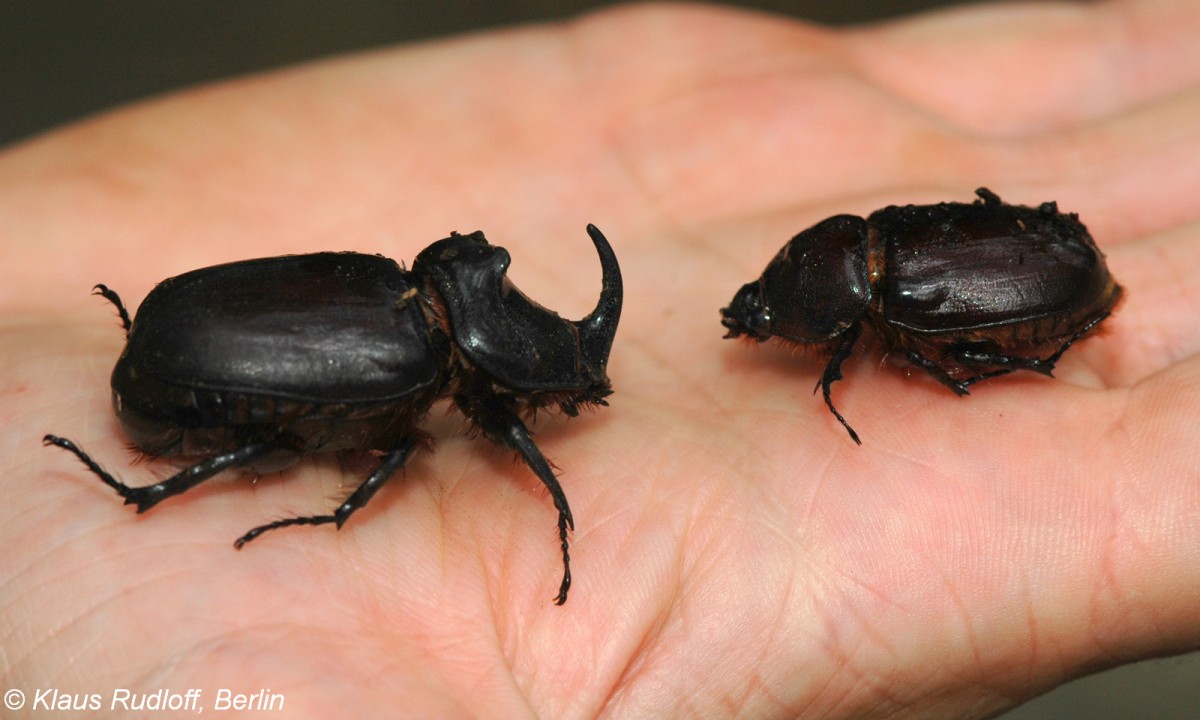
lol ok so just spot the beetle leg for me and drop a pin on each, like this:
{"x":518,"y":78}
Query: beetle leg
{"x":391,"y":462}
{"x":501,"y":425}
{"x":112,"y":296}
{"x":939,"y":373}
{"x":1003,"y":363}
{"x":1087,"y":327}
{"x":182,"y":481}
{"x":833,"y":373}
{"x":986,"y":376}
{"x":1006,"y":364}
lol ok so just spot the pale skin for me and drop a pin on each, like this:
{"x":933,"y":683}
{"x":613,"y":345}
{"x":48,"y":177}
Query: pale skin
{"x":735,"y":554}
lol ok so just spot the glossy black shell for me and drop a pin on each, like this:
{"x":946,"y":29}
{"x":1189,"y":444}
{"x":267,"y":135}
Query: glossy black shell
{"x":818,"y":285}
{"x":500,"y":330}
{"x":965,"y":291}
{"x":298,"y":340}
{"x":256,"y":363}
{"x":955,"y":267}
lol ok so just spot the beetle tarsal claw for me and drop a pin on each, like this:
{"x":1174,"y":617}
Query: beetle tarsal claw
{"x":111,"y":296}
{"x":86,"y":459}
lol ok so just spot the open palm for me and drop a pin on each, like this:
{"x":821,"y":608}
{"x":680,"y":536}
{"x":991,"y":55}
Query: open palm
{"x":735,"y":553}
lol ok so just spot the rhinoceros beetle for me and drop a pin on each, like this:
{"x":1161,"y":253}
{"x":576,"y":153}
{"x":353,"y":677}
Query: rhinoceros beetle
{"x":257,"y":363}
{"x":964,"y":291}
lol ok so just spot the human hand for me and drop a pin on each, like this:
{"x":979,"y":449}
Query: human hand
{"x":734,"y":553}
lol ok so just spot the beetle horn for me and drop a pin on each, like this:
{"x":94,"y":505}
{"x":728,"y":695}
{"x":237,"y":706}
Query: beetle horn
{"x":596,"y":331}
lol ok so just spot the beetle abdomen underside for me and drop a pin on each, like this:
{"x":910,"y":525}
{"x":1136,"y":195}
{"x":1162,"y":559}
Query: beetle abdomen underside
{"x":205,"y":423}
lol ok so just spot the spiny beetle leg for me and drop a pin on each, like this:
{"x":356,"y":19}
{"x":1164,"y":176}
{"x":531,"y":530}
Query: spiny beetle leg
{"x":112,"y":296}
{"x":182,"y":481}
{"x":391,"y":462}
{"x":833,"y":373}
{"x":1053,"y":359}
{"x":1044,"y":366}
{"x":938,"y":373}
{"x":501,"y":425}
{"x":1003,"y":363}
{"x":985,"y":376}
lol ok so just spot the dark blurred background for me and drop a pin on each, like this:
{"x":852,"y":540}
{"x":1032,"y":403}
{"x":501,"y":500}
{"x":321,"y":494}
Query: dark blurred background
{"x":64,"y":59}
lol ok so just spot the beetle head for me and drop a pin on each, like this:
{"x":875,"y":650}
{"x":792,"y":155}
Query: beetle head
{"x":498,"y":329}
{"x":746,"y":314}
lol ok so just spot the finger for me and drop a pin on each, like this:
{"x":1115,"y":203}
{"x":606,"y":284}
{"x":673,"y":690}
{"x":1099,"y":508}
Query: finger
{"x":1156,"y":324}
{"x":1128,"y":175}
{"x":1010,"y":69}
{"x":1144,"y":568}
{"x":789,"y":125}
